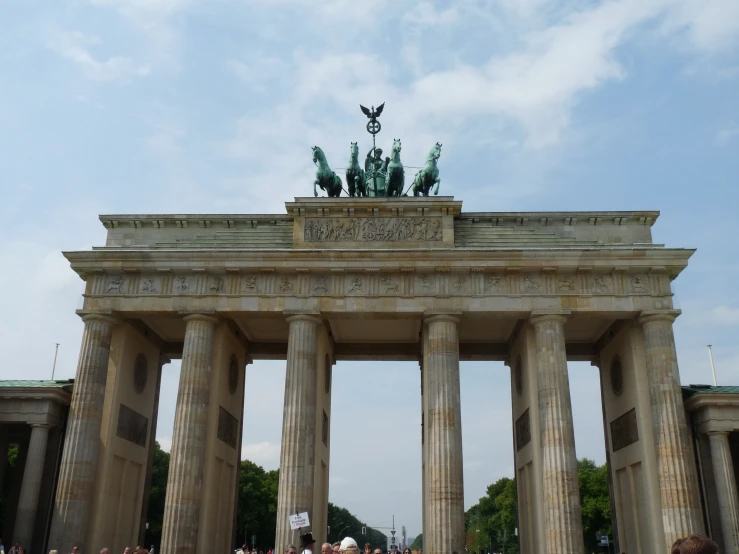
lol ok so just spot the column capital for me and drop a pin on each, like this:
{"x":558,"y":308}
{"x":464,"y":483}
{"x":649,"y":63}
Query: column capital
{"x":42,"y":425}
{"x":206,"y":317}
{"x":658,"y":315}
{"x":312,"y":318}
{"x":559,"y":316}
{"x":109,"y":318}
{"x":435,"y":318}
{"x":717,"y":433}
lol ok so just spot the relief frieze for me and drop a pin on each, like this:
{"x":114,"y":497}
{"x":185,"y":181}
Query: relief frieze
{"x":368,"y":229}
{"x":372,"y":282}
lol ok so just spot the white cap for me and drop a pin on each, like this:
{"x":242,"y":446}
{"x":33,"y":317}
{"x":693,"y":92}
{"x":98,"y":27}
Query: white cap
{"x":348,"y":545}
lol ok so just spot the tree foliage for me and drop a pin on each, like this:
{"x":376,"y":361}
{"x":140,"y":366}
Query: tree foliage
{"x":491,"y":523}
{"x":417,"y":543}
{"x":595,"y":502}
{"x":8,"y":480}
{"x":157,"y":495}
{"x":343,"y":523}
{"x":257,"y":509}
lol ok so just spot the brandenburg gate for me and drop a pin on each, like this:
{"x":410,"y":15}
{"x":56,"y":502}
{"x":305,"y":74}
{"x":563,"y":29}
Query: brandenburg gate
{"x":404,"y":278}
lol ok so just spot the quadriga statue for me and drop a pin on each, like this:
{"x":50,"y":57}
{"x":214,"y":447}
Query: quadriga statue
{"x":326,"y":178}
{"x":355,"y":174}
{"x":395,"y":174}
{"x":429,"y":175}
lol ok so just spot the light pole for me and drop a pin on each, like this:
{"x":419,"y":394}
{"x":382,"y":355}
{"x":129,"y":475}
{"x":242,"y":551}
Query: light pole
{"x":342,"y":530}
{"x":53,"y":367}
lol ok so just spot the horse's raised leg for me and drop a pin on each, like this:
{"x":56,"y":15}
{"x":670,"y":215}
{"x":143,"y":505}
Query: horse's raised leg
{"x":315,"y":191}
{"x":436,"y":190}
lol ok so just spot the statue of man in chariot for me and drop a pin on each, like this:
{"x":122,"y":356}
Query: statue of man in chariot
{"x":380,"y":177}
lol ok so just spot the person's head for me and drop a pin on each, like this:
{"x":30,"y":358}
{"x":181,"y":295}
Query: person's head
{"x":407,"y":551}
{"x":74,"y":548}
{"x":52,"y":551}
{"x":694,"y":544}
{"x":291,"y":549}
{"x":127,"y":550}
{"x":367,"y":548}
{"x":335,"y":547}
{"x":349,"y":546}
{"x":378,"y":551}
{"x":104,"y":550}
{"x":326,"y":548}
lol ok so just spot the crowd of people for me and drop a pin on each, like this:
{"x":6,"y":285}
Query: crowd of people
{"x":692,"y":544}
{"x":18,"y":549}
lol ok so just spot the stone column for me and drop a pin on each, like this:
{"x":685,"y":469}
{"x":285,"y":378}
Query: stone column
{"x":444,"y":474}
{"x":726,"y":491}
{"x":297,"y":453}
{"x":678,"y":481}
{"x":563,"y":532}
{"x":31,"y":486}
{"x":187,"y":457}
{"x":74,"y":493}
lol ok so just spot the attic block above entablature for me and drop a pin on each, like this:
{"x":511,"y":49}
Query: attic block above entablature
{"x":377,"y":223}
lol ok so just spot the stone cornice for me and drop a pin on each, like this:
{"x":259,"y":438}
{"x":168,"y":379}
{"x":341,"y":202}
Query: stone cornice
{"x":375,"y":207}
{"x":669,"y":260}
{"x":699,"y":401}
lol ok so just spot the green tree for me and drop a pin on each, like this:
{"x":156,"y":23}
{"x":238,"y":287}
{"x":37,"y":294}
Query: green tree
{"x":257,"y":509}
{"x":492,"y":521}
{"x":417,"y":543}
{"x":8,"y":480}
{"x":157,"y":495}
{"x":595,"y":502}
{"x":343,"y":523}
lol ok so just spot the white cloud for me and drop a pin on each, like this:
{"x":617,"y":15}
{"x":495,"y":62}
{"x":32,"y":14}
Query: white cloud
{"x":535,"y":86}
{"x":725,"y":315}
{"x":76,"y":47}
{"x":425,"y":14}
{"x":710,"y":25}
{"x":165,"y":443}
{"x":266,"y":454}
{"x":141,"y":9}
{"x":727,"y":134}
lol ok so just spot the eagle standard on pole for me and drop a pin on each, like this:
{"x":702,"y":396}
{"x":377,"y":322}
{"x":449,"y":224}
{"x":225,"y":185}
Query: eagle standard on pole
{"x":373,"y":127}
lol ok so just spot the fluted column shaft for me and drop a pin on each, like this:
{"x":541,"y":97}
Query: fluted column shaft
{"x":187,"y":457}
{"x":74,"y":493}
{"x":297,"y":454}
{"x":444,"y":473}
{"x":31,"y":485}
{"x":728,"y":499}
{"x":562,"y":511}
{"x":678,"y":481}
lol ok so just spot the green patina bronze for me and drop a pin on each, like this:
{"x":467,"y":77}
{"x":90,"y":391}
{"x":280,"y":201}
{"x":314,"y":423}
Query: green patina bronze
{"x":374,"y":172}
{"x":395,"y":174}
{"x":380,"y":178}
{"x":355,"y":174}
{"x":429,"y":175}
{"x":326,"y":178}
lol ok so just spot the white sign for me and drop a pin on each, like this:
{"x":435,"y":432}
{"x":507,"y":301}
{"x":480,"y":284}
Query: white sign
{"x":299,"y":520}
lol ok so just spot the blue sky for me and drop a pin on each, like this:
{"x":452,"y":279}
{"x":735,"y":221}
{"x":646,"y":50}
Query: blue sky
{"x":163,"y":106}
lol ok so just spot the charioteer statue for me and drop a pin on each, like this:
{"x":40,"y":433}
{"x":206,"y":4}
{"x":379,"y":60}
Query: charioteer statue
{"x":379,"y":178}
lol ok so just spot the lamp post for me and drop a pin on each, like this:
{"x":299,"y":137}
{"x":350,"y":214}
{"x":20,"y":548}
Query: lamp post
{"x":342,"y":530}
